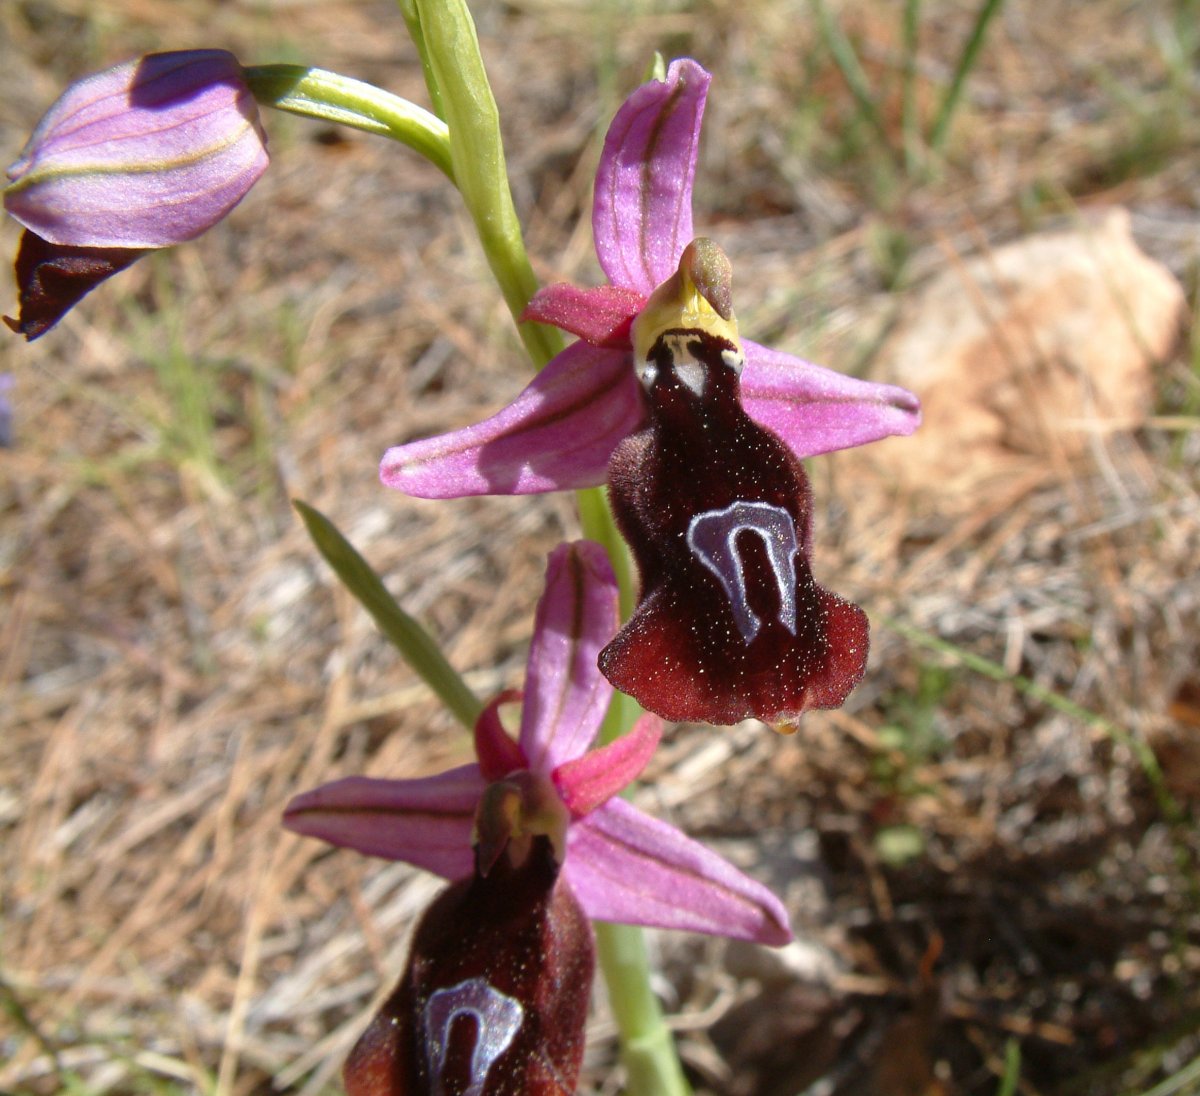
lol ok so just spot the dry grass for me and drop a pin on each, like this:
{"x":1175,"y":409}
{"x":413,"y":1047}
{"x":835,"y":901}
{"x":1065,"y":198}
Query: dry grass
{"x":967,"y":864}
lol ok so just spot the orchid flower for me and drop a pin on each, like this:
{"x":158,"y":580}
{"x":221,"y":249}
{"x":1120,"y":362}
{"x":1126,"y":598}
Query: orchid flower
{"x":560,"y":432}
{"x":699,"y":434}
{"x":147,"y":154}
{"x":621,"y":864}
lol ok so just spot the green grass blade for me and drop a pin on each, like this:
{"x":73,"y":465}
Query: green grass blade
{"x":842,"y":51}
{"x":1012,"y":1069}
{"x":909,"y":122}
{"x":1187,"y":1080}
{"x":411,"y":639}
{"x":966,"y":62}
{"x":1168,"y":807}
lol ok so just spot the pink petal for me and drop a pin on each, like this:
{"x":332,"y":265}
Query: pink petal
{"x":815,"y":410}
{"x":557,"y":434}
{"x":601,"y":316}
{"x":642,"y":215}
{"x":498,"y":754}
{"x":146,"y":154}
{"x":426,"y":822}
{"x":565,"y":696}
{"x":588,"y":781}
{"x":625,"y":866}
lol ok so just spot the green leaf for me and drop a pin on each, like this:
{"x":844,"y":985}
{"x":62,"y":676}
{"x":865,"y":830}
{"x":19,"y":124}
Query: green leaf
{"x":417,"y":646}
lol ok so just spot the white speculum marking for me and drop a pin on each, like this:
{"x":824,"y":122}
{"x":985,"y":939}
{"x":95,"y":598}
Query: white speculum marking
{"x":497,"y":1017}
{"x":647,"y":373}
{"x":712,"y":537}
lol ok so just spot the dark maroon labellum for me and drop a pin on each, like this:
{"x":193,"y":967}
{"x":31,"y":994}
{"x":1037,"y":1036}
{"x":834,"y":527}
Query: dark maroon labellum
{"x":718,"y":513}
{"x":495,"y":996}
{"x":53,"y":278}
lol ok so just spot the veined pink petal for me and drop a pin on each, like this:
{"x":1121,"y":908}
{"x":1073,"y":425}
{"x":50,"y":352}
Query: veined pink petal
{"x":556,"y":435}
{"x":565,"y":696}
{"x":147,"y":154}
{"x":601,"y":316}
{"x":642,"y":215}
{"x":815,"y":410}
{"x":625,"y":866}
{"x":426,"y":822}
{"x":588,"y":781}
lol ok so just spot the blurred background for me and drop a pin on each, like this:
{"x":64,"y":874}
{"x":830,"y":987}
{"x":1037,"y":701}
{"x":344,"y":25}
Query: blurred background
{"x":989,"y":855}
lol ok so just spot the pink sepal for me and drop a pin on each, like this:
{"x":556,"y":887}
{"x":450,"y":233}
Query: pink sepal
{"x":642,"y":214}
{"x":426,"y":822}
{"x":625,"y":866}
{"x":147,"y":154}
{"x":556,"y":435}
{"x":815,"y":410}
{"x":565,"y":696}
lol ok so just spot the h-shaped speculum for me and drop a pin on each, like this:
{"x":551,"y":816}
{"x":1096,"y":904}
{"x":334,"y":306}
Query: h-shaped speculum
{"x":712,"y":536}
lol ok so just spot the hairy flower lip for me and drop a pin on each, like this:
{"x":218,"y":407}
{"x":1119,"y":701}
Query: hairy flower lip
{"x":513,"y":951}
{"x":618,"y":859}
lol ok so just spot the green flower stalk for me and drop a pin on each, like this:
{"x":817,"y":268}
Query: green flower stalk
{"x":330,"y":97}
{"x":458,"y":83}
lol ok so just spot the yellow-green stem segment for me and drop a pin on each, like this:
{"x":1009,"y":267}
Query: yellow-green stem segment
{"x":329,"y":97}
{"x":647,"y":1049}
{"x":459,"y":84}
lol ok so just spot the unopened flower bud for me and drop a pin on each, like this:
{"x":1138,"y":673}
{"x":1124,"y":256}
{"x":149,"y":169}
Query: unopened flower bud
{"x":147,"y":154}
{"x":144,"y":155}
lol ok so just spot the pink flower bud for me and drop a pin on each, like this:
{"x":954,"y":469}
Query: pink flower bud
{"x":147,"y":154}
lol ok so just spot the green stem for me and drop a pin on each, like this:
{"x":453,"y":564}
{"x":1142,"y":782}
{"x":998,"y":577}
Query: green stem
{"x":647,"y":1048}
{"x":455,"y":67}
{"x":597,"y":523}
{"x":445,"y":36}
{"x":412,"y":19}
{"x":328,"y":97}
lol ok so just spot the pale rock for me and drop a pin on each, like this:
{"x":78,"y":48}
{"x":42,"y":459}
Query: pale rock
{"x":1021,"y":355}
